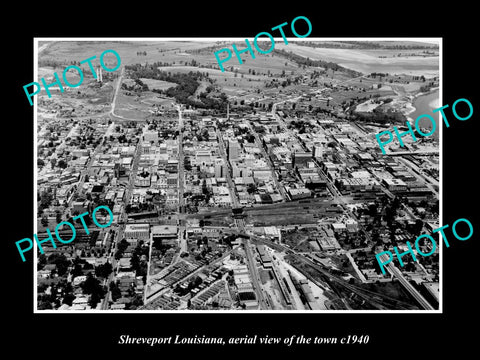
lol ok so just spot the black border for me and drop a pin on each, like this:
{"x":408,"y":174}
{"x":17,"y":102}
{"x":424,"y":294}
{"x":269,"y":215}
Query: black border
{"x":97,"y":334}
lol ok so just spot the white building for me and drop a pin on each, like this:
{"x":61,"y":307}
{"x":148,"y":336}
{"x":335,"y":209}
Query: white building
{"x":233,"y":150}
{"x":135,"y":232}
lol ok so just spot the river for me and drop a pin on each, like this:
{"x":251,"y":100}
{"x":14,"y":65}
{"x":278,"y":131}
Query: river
{"x":424,"y":104}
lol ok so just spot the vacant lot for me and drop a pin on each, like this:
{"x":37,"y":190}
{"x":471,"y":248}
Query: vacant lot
{"x":131,"y":107}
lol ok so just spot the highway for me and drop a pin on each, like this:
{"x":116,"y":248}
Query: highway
{"x":122,"y":221}
{"x":181,"y":167}
{"x":255,"y":276}
{"x":182,"y":241}
{"x":392,"y":269}
{"x":119,"y":82}
{"x":240,"y":224}
{"x":231,"y":185}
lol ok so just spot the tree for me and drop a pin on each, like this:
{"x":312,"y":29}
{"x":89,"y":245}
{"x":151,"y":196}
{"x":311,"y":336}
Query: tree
{"x":68,"y":299}
{"x":41,"y":262}
{"x":115,"y":291}
{"x":60,"y":261}
{"x":92,"y":287}
{"x":251,"y":188}
{"x":135,"y":261}
{"x":62,"y":164}
{"x":417,"y":228}
{"x":103,"y":270}
{"x":44,"y":304}
{"x":44,"y":221}
{"x":87,"y":219}
{"x":77,"y":270}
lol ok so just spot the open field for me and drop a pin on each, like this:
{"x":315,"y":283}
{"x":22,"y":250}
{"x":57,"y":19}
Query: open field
{"x":179,"y":52}
{"x":133,"y":107}
{"x":367,"y":61}
{"x":87,"y":99}
{"x":79,"y":50}
{"x":157,"y":84}
{"x":230,"y":84}
{"x":174,"y":52}
{"x":45,"y":72}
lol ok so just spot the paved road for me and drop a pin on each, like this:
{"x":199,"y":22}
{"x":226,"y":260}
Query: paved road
{"x":259,"y":144}
{"x":255,"y":276}
{"x":231,"y":185}
{"x":119,"y":82}
{"x":392,"y":269}
{"x":181,"y":166}
{"x":417,"y":172}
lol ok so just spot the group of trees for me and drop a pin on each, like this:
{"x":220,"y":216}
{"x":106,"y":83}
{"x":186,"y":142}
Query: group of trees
{"x":115,"y":291}
{"x":79,"y":266}
{"x":206,"y":191}
{"x":212,"y":102}
{"x":45,"y":198}
{"x":91,"y":286}
{"x":194,"y":282}
{"x":140,"y":266}
{"x":251,"y":189}
{"x":138,"y":86}
{"x":121,"y":247}
{"x":379,"y":116}
{"x":103,"y":270}
{"x":301,"y":125}
{"x":305,"y":61}
{"x":187,"y":85}
{"x":61,"y":262}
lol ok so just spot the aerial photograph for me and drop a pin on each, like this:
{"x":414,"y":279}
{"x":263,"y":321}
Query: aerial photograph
{"x":259,"y":188}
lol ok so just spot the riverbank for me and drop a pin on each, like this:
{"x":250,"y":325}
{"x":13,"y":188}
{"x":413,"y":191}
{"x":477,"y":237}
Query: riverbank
{"x":423,"y":103}
{"x":435,"y":103}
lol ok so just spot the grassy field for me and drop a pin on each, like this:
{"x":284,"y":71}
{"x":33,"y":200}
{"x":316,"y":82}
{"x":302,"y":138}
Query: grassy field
{"x":131,"y":107}
{"x":157,"y":84}
{"x":230,"y":84}
{"x":79,"y":50}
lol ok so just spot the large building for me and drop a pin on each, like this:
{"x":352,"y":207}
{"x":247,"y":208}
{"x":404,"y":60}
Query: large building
{"x":167,"y":234}
{"x":135,"y":232}
{"x":301,"y":158}
{"x":150,"y":136}
{"x":233,"y":150}
{"x":394,"y":184}
{"x":219,"y":168}
{"x":317,"y":151}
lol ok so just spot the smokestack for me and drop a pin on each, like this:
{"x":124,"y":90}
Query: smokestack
{"x":99,"y":74}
